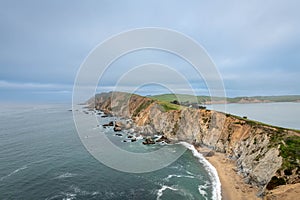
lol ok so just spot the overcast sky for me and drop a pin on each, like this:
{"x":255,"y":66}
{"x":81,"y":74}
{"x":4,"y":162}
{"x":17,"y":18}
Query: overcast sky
{"x":254,"y":44}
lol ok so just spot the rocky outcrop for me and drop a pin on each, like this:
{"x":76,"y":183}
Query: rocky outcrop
{"x":149,"y":140}
{"x":263,"y":153}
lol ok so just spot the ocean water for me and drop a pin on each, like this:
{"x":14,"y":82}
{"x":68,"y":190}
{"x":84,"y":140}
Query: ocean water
{"x":283,"y":114}
{"x":42,"y":157}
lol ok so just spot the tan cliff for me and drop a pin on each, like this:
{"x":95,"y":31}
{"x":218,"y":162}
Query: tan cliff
{"x":262,"y":152}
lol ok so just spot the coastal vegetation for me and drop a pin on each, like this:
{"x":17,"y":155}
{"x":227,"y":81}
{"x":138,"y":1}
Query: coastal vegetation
{"x":266,"y":156}
{"x":209,"y":100}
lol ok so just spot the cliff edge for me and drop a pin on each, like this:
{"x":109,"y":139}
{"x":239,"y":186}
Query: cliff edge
{"x":266,"y":156}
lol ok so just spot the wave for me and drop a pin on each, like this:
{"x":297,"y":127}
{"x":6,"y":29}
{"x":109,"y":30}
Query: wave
{"x":14,"y":172}
{"x":202,"y":190}
{"x":65,"y":175}
{"x":162,"y":189}
{"x":177,"y":176}
{"x":73,"y":193}
{"x":216,"y":193}
{"x":22,"y":168}
{"x":63,"y":196}
{"x":79,"y":191}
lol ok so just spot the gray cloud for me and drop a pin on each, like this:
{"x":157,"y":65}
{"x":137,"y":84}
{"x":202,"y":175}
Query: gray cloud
{"x":254,"y":44}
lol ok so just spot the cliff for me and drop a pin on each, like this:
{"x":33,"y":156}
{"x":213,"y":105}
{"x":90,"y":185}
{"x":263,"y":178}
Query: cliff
{"x":265,"y":155}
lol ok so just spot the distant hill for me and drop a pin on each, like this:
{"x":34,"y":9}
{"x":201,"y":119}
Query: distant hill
{"x":207,"y":99}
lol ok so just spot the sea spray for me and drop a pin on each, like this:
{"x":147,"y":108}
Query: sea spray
{"x":216,"y":194}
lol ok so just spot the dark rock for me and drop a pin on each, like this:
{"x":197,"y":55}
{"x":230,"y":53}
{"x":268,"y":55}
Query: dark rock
{"x":109,"y":124}
{"x":163,"y":139}
{"x":130,"y":136}
{"x":119,"y":134}
{"x":104,"y":116}
{"x":148,"y":141}
{"x":133,"y":140}
{"x":210,"y":154}
{"x":116,"y":129}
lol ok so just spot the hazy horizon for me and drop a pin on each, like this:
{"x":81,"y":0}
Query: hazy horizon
{"x":254,"y":45}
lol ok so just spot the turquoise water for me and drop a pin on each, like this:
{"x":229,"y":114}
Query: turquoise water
{"x":42,"y":157}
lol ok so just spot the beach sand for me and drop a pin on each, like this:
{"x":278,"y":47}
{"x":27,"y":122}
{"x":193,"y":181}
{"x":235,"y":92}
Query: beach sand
{"x":286,"y":192}
{"x":233,"y":186}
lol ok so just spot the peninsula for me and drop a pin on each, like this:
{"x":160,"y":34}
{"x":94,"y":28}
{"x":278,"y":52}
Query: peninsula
{"x":253,"y":159}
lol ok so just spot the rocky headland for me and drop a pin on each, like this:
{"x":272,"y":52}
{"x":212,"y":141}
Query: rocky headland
{"x":265,"y":156}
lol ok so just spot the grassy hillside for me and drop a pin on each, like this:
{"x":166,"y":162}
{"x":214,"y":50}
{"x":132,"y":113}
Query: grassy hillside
{"x":207,"y":99}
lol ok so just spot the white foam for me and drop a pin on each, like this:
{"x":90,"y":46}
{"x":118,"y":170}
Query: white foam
{"x":14,"y":172}
{"x":65,"y":175}
{"x":190,"y":173}
{"x":216,"y":193}
{"x":69,"y":196}
{"x":79,"y":191}
{"x":202,"y":190}
{"x":139,"y":137}
{"x":162,"y":189}
{"x":178,"y":176}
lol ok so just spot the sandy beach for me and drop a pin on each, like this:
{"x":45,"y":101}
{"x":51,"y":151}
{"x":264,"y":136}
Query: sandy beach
{"x":233,"y":186}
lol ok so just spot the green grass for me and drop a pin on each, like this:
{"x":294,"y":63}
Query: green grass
{"x":172,"y":97}
{"x":169,"y":106}
{"x":203,"y":99}
{"x":290,"y":152}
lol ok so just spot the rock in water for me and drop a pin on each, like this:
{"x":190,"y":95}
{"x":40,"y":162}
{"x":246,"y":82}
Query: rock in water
{"x":163,"y":139}
{"x":116,"y":129}
{"x":148,"y":141}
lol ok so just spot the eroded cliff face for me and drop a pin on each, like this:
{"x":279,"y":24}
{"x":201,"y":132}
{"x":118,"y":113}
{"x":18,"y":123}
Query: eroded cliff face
{"x":255,"y":147}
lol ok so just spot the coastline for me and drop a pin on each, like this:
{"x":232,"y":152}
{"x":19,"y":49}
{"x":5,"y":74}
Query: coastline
{"x":217,"y":186}
{"x":252,"y":142}
{"x":232,"y":184}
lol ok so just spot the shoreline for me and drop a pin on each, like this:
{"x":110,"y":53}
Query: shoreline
{"x":217,"y":186}
{"x":232,"y":184}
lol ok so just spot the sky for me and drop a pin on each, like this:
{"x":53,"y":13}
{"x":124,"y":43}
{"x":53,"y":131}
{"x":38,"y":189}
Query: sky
{"x":255,"y":45}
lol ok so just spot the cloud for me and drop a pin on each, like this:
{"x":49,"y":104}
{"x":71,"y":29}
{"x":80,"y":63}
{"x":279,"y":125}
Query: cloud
{"x":250,"y":41}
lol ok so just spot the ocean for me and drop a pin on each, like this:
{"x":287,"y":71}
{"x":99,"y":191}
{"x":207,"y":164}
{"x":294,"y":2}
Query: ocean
{"x":42,"y":157}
